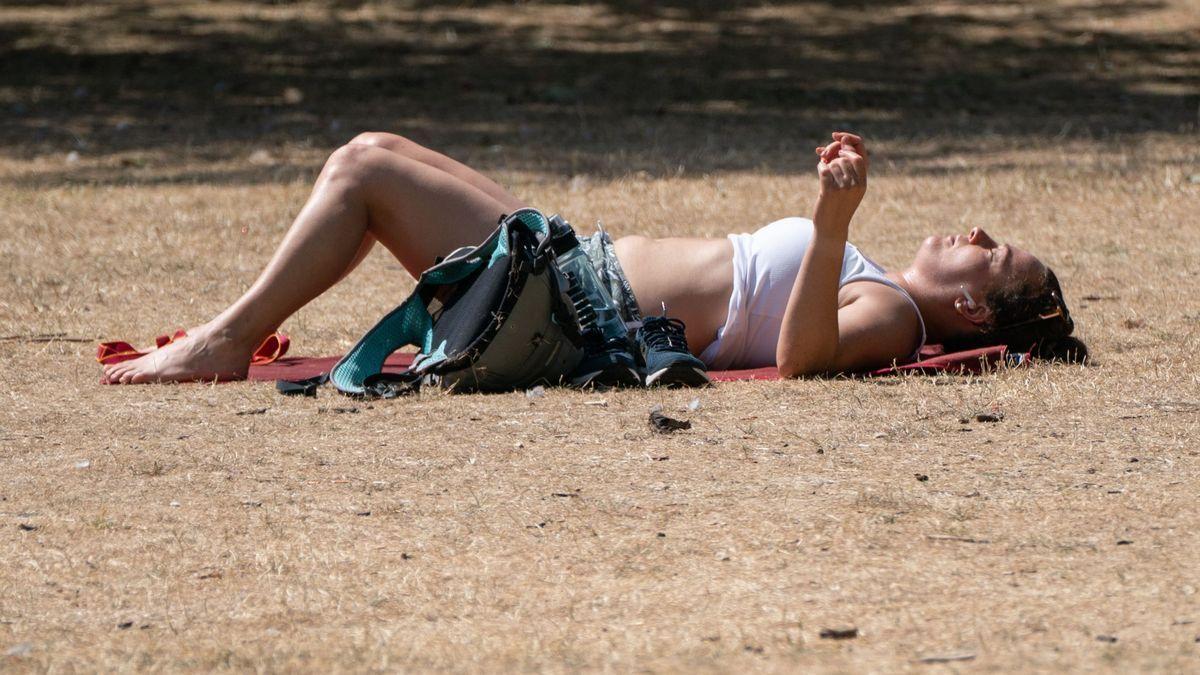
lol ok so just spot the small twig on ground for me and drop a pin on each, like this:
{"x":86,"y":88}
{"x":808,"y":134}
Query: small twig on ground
{"x":951,"y":537}
{"x":946,"y":658}
{"x":45,"y":337}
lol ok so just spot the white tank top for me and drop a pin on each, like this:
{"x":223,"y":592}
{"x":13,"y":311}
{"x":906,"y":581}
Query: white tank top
{"x":765,"y":265}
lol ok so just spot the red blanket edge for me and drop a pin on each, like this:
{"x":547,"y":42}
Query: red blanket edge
{"x":932,"y":360}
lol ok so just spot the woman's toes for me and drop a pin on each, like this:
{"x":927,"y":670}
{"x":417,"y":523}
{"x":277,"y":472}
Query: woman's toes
{"x":142,"y":377}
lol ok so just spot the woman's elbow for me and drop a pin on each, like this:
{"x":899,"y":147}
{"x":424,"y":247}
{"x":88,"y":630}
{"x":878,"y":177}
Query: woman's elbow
{"x":810,"y":357}
{"x":787,"y":372}
{"x":792,"y":368}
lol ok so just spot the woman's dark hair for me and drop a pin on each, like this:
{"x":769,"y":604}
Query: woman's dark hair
{"x":1029,"y":317}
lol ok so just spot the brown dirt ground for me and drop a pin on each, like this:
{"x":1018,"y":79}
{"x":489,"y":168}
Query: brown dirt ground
{"x":225,"y":527}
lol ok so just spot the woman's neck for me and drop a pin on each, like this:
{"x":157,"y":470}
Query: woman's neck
{"x":939,"y":324}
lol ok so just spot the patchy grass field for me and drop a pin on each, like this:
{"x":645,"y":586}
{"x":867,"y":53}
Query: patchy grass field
{"x":153,"y":153}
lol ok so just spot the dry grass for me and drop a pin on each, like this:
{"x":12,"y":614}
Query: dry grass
{"x":179,"y":528}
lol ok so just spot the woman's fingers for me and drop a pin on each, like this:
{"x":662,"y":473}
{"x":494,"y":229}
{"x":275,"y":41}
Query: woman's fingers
{"x":838,"y":170}
{"x":857,"y":164}
{"x":847,"y":146}
{"x":842,"y":165}
{"x":851,"y":141}
{"x":831,"y":151}
{"x":851,"y":172}
{"x":826,"y":176}
{"x":842,"y":173}
{"x":847,"y":138}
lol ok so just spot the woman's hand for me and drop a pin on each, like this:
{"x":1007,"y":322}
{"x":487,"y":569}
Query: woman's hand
{"x":843,"y":172}
{"x":843,"y":162}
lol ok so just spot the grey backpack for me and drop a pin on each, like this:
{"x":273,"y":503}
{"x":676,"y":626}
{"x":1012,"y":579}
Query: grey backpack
{"x":492,"y":317}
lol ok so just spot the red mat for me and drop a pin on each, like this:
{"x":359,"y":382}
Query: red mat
{"x":933,"y":360}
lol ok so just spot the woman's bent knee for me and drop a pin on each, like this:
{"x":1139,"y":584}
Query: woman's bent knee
{"x":357,"y":163}
{"x":385,"y":140}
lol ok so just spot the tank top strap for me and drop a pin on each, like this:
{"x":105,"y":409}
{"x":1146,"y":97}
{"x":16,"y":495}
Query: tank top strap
{"x":856,"y":266}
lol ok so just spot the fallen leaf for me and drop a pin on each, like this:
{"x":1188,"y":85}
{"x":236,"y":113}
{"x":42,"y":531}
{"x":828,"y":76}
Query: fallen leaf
{"x":839,"y":633}
{"x":665,"y":425}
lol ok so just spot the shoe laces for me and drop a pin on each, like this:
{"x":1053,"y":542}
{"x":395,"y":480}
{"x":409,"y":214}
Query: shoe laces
{"x":663,"y":333}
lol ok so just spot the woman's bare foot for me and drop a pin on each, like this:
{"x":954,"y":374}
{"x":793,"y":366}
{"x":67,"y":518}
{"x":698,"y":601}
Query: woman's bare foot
{"x":205,"y":353}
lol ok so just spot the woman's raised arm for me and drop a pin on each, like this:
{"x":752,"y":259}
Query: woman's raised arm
{"x":808,"y":338}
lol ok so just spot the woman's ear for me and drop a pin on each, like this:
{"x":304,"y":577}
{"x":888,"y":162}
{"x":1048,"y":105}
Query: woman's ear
{"x":976,"y":313}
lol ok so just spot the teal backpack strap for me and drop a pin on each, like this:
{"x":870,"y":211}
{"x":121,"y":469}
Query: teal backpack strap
{"x":408,"y":324}
{"x":411,"y":323}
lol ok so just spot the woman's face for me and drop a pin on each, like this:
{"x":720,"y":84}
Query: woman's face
{"x":976,"y":262}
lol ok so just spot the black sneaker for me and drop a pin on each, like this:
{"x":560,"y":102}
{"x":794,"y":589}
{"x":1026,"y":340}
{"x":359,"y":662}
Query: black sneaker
{"x":665,"y":351}
{"x":612,"y":367}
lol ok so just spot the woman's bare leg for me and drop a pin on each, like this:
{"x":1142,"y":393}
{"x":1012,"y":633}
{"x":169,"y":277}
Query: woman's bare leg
{"x":412,"y":150}
{"x":407,"y":148}
{"x":416,"y":210}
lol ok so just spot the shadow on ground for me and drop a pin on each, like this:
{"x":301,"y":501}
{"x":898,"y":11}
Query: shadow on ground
{"x":615,"y":86}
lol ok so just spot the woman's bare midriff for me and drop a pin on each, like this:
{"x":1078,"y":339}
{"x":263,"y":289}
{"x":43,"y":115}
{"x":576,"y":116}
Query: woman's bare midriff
{"x":694,"y":277}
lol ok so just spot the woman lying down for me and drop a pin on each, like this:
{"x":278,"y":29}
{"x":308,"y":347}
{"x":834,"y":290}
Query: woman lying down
{"x":795,"y":294}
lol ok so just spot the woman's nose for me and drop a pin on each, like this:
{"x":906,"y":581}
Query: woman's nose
{"x":980,"y":238}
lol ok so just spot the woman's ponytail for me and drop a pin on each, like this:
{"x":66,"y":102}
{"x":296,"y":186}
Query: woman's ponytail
{"x":1068,"y":349}
{"x":1030,"y":317}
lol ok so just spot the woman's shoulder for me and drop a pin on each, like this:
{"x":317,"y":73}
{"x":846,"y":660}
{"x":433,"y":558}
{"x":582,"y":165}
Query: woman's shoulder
{"x":878,"y":323}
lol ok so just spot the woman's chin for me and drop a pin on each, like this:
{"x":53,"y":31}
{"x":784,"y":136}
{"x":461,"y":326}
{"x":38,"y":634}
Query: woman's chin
{"x":929,"y":248}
